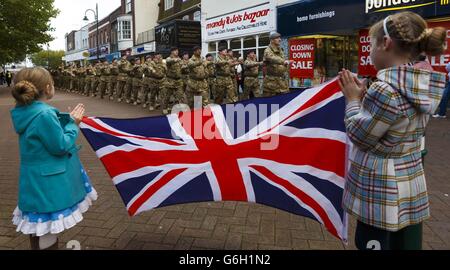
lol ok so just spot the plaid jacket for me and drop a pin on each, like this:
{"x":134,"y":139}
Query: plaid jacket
{"x":386,"y":185}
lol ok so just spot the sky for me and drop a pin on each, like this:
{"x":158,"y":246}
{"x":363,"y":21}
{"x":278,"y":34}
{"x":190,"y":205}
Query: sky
{"x":71,"y":17}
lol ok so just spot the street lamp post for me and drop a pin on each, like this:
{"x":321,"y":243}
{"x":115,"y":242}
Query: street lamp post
{"x":96,"y":20}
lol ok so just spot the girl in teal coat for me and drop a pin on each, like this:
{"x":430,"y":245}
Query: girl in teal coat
{"x":54,"y":190}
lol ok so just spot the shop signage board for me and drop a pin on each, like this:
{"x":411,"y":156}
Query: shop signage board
{"x":319,"y":16}
{"x":302,"y":52}
{"x":365,"y":66}
{"x":324,"y":16}
{"x":253,"y":20}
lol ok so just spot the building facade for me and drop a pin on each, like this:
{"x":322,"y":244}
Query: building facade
{"x":115,"y":34}
{"x":179,"y":25}
{"x":145,"y":19}
{"x":77,"y":45}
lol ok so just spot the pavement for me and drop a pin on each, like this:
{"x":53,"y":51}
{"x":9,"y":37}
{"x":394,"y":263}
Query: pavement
{"x":199,"y":226}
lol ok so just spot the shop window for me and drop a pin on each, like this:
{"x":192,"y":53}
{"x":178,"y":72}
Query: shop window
{"x":250,"y":42}
{"x":264,"y":40}
{"x":212,"y":47}
{"x":235,"y":44}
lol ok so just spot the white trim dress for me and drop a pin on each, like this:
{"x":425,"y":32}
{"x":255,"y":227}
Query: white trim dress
{"x":40,"y":224}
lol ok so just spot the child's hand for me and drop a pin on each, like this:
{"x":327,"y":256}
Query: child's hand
{"x":78,"y":113}
{"x":352,"y":88}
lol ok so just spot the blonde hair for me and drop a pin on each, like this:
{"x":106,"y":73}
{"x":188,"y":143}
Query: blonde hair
{"x":411,"y":34}
{"x":30,"y":85}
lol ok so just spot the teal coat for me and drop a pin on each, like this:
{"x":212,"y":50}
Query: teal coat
{"x":50,"y":169}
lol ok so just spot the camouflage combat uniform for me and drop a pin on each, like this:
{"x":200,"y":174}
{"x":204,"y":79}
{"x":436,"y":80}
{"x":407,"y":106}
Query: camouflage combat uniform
{"x":211,"y":78}
{"x":198,"y":81}
{"x":138,"y":73}
{"x":224,"y":83}
{"x":157,"y":75}
{"x":173,"y":85}
{"x":251,"y":80}
{"x":122,"y":79}
{"x":275,"y":81}
{"x":112,"y":82}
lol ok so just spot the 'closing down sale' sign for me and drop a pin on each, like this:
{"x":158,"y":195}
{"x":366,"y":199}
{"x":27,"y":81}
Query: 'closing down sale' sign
{"x":301,"y":51}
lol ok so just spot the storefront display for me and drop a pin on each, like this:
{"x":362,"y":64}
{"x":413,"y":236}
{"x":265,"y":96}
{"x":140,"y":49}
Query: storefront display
{"x":340,"y":30}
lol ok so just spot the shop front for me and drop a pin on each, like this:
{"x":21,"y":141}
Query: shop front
{"x":322,"y":36}
{"x":241,"y":30}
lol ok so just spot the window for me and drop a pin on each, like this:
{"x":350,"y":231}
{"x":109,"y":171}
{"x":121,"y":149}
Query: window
{"x":128,"y":6}
{"x":186,"y":17}
{"x":124,"y":30}
{"x":197,"y":16}
{"x":168,"y":4}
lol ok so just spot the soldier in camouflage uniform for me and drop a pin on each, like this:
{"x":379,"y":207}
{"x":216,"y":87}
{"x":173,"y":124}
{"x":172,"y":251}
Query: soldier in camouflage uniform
{"x":129,"y":83}
{"x":112,"y":81}
{"x":211,"y":67}
{"x":198,"y":79}
{"x":224,"y":83}
{"x":145,"y":90}
{"x":173,"y":85}
{"x":138,"y":73}
{"x":81,"y":79}
{"x":251,"y":74}
{"x":124,"y":67}
{"x":157,"y":71}
{"x":90,"y":75}
{"x":275,"y":81}
{"x":72,"y":77}
{"x":105,"y":72}
{"x":96,"y":79}
{"x":233,"y":70}
{"x":185,"y":71}
{"x":59,"y":76}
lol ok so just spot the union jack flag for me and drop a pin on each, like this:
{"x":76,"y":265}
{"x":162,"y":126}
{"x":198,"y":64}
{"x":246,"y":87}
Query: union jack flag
{"x":286,"y":152}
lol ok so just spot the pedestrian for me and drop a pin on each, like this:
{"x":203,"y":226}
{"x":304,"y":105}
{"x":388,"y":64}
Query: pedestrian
{"x":9,"y":77}
{"x":385,"y":188}
{"x":443,"y":106}
{"x":2,"y":77}
{"x":54,"y":189}
{"x":275,"y":81}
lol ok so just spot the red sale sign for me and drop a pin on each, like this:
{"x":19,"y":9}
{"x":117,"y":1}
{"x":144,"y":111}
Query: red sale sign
{"x":439,"y":62}
{"x":302,"y":52}
{"x":365,"y":66}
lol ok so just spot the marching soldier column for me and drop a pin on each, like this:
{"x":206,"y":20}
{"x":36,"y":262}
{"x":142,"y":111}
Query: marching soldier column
{"x":161,"y":83}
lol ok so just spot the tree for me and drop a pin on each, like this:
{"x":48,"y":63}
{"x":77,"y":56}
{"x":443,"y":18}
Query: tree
{"x":50,"y":59}
{"x":24,"y":26}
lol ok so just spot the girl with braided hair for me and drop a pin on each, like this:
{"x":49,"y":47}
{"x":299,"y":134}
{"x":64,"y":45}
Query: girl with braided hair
{"x":385,"y":188}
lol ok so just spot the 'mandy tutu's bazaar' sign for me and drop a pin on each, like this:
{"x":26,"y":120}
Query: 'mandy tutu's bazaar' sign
{"x":257,"y":19}
{"x":301,"y":51}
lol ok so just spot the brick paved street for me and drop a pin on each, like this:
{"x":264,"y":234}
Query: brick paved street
{"x":226,"y":225}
